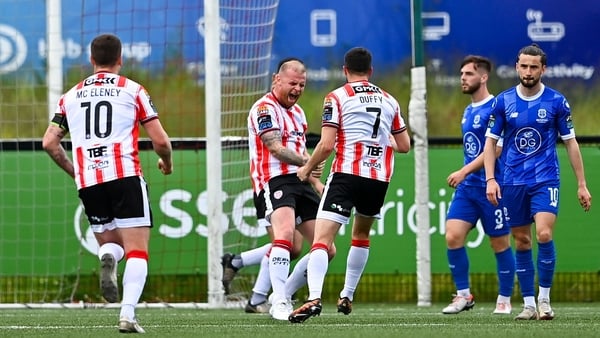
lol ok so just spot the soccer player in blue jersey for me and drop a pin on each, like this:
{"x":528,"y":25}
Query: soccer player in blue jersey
{"x":469,"y":203}
{"x":530,"y":117}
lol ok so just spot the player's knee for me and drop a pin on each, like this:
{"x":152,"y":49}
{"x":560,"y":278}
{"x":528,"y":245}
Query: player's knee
{"x":499,"y":244}
{"x":544,"y":235}
{"x":454,"y":241}
{"x":522,"y":242}
{"x":455,"y":237}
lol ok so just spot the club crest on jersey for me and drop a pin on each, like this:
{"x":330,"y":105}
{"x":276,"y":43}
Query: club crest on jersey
{"x":278,"y":194}
{"x":477,"y":121}
{"x":542,"y":116}
{"x":542,"y":113}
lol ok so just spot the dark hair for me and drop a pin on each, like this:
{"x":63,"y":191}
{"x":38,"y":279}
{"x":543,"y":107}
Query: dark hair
{"x":533,"y":50}
{"x":358,"y":60}
{"x":106,"y":49}
{"x":478,"y":62}
{"x":286,"y":60}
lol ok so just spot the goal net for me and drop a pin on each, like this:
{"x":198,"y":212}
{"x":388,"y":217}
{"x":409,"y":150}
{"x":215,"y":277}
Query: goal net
{"x":47,"y":251}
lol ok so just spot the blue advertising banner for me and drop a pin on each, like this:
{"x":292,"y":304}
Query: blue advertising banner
{"x":319,"y":32}
{"x":151,"y":31}
{"x":499,"y":29}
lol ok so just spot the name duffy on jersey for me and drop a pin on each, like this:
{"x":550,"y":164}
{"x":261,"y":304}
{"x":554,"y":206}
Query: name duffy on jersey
{"x":369,"y":90}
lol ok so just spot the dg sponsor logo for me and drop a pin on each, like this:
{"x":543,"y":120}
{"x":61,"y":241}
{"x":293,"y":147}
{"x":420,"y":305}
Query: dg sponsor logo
{"x":528,"y":140}
{"x":472,"y":144}
{"x":13,"y":49}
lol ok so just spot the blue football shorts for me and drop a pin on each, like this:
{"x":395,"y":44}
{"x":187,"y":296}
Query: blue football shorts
{"x":524,"y":201}
{"x":470,"y":204}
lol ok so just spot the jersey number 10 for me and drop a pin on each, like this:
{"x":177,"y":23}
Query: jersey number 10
{"x":102,"y":118}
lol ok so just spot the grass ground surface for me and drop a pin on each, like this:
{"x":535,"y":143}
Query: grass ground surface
{"x":367,"y":320}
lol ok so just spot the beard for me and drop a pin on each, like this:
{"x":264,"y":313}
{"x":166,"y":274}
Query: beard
{"x":529,"y":83}
{"x":471,"y":89}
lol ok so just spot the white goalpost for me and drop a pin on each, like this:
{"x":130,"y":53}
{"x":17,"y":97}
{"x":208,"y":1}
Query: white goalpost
{"x":417,"y":110}
{"x":55,"y":68}
{"x":212,"y":62}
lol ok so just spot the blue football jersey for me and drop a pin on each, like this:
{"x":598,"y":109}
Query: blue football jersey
{"x":474,"y":124}
{"x":530,"y":127}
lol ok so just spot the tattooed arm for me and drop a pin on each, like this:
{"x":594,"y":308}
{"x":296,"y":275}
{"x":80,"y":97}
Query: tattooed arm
{"x":52,"y":146}
{"x":272,"y":139}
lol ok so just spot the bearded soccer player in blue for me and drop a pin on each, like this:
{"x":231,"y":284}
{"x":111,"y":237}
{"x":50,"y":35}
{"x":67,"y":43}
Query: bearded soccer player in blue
{"x":530,"y":117}
{"x":469,"y":203}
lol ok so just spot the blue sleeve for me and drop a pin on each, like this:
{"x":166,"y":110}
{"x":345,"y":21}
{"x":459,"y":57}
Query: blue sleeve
{"x":497,"y":119}
{"x":565,"y":121}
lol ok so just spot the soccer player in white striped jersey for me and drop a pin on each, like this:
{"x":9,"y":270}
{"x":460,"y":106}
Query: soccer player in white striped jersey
{"x":232,"y":263}
{"x":364,"y":126}
{"x":530,"y":117}
{"x":103,"y":113}
{"x":277,"y":129}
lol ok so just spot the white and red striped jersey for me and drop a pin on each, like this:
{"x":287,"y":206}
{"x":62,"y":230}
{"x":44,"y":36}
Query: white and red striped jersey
{"x":267,"y":115}
{"x":103,"y":114}
{"x":365,"y":117}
